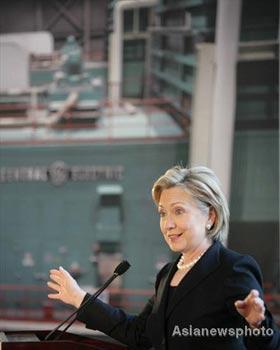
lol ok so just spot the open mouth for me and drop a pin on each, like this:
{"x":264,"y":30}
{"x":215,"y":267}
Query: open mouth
{"x":174,"y":238}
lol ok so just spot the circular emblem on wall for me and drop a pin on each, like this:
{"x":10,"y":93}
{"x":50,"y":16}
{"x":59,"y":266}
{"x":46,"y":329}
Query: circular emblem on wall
{"x":58,"y":173}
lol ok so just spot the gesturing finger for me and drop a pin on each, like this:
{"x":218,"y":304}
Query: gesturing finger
{"x":258,"y":304}
{"x":56,"y":278}
{"x":54,"y":296}
{"x":240,"y":304}
{"x":253,"y":294}
{"x":249,"y":299}
{"x":64,"y":273}
{"x":54,"y":286}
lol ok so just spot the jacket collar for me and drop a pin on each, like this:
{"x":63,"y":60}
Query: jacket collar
{"x":208,"y":263}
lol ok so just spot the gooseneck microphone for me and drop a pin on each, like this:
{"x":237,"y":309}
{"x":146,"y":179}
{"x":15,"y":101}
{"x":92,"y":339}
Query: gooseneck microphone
{"x":119,"y":270}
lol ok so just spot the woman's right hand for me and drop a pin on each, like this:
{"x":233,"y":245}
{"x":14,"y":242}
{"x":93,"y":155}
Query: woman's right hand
{"x":66,"y":287}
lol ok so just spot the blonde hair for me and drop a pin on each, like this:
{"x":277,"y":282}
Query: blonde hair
{"x":205,"y":188}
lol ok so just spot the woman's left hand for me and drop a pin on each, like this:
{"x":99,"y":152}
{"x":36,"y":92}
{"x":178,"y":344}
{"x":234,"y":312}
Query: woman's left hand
{"x":251,"y":308}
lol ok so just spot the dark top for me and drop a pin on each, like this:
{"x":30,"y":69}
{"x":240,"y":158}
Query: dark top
{"x":204,"y":299}
{"x":171,"y":292}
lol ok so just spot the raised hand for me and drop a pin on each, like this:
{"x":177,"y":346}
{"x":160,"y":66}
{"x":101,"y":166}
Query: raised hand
{"x":251,"y":308}
{"x":66,"y":287}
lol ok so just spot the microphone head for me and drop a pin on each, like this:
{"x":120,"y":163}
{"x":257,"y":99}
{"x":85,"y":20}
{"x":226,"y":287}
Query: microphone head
{"x":122,"y":268}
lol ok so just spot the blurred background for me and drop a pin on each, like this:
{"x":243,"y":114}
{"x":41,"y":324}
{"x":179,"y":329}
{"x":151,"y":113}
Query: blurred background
{"x":97,"y":99}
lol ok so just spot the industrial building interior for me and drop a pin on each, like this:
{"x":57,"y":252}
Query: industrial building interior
{"x":97,"y":99}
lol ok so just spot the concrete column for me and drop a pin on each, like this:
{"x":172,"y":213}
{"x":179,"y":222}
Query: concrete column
{"x":202,"y":106}
{"x":211,"y":145}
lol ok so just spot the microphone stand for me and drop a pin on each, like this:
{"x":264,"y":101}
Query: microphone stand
{"x":91,"y":298}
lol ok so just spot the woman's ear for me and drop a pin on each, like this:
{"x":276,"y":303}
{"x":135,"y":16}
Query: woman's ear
{"x":212,"y":216}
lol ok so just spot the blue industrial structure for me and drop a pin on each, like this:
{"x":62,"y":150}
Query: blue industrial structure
{"x":76,"y":172}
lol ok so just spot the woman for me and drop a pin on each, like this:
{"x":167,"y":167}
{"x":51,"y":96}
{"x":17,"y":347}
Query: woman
{"x":209,"y":298}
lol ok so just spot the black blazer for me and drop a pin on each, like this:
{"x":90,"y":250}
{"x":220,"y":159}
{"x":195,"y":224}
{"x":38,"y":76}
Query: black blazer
{"x":202,"y":303}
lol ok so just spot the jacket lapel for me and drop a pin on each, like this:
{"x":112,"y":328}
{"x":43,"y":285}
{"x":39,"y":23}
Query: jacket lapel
{"x":155,"y":327}
{"x":162,"y":291}
{"x":206,"y":265}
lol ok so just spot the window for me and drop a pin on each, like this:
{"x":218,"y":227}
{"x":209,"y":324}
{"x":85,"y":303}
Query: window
{"x":136,"y":20}
{"x":134,"y":50}
{"x":143,"y":19}
{"x":128,"y":21}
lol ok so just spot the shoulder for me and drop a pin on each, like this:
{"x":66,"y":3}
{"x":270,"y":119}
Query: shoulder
{"x":233,"y":259}
{"x":240,"y":270}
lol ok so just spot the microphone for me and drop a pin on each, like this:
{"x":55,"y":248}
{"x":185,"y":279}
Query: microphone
{"x":119,"y":270}
{"x":122,"y":268}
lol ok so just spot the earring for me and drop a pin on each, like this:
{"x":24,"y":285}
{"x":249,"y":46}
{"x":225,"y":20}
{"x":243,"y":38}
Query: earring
{"x":208,"y":226}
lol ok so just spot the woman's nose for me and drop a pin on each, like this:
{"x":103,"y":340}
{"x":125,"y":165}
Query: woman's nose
{"x":169,"y":224}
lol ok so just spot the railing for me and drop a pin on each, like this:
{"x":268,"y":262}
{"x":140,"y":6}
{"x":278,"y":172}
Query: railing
{"x":30,"y":302}
{"x":150,"y":121}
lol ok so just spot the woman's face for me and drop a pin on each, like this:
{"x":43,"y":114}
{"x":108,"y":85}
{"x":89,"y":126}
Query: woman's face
{"x":182,"y":223}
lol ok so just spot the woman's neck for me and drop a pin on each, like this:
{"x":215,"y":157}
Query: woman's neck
{"x":196,"y":251}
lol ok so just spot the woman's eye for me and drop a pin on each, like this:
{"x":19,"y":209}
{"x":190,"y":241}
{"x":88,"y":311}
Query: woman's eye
{"x":178,"y":211}
{"x":161,"y":214}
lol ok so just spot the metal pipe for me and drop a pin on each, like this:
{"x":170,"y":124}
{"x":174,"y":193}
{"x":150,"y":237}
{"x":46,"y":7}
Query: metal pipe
{"x":116,"y":46}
